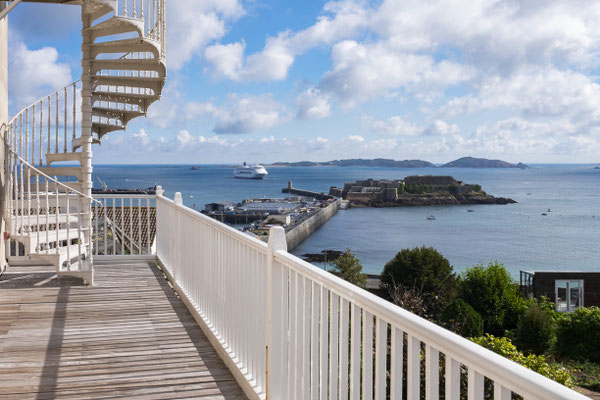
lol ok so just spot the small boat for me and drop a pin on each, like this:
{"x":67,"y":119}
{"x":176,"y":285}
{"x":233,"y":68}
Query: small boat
{"x":431,"y":218}
{"x":470,"y":210}
{"x":544,"y":214}
{"x":250,"y":172}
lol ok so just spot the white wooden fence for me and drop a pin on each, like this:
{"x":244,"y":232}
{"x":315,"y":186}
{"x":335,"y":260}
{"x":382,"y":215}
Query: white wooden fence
{"x":289,"y":330}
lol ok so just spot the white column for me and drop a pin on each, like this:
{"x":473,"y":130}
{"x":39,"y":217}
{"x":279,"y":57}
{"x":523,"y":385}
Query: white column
{"x":86,"y":129}
{"x":3,"y":119}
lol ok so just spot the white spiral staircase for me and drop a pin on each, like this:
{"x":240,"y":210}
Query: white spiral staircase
{"x":48,"y":208}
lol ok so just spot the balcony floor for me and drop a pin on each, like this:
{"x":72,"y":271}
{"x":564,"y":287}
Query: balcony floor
{"x":129,"y":336}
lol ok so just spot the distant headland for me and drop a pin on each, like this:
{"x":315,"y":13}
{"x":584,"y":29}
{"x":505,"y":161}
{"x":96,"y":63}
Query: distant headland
{"x":421,"y":190}
{"x":471,"y":162}
{"x":465,"y":162}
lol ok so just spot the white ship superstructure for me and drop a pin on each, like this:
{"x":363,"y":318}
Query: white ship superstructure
{"x":246,"y":171}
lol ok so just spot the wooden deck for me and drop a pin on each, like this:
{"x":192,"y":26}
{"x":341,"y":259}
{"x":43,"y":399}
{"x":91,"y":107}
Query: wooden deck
{"x":130,"y":336}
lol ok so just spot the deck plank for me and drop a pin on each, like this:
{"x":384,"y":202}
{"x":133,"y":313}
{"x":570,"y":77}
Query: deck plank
{"x":129,"y":336}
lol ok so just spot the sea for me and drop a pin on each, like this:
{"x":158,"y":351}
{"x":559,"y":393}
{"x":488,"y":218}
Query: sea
{"x":518,"y":235}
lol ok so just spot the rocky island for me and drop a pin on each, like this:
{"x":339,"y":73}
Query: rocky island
{"x":464,"y":162}
{"x":472,"y":162}
{"x":421,"y":190}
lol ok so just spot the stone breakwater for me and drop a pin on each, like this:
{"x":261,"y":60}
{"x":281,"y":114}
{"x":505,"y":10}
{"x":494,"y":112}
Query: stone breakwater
{"x":297,"y":234}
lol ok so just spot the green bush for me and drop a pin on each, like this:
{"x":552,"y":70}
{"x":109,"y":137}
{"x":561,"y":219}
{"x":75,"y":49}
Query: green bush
{"x":491,"y":291}
{"x":539,"y":364}
{"x":535,"y":332}
{"x":348,"y":267}
{"x":578,"y":334}
{"x":461,"y":318}
{"x":427,"y":272}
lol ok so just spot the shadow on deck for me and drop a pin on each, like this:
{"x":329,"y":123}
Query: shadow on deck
{"x":129,"y":336}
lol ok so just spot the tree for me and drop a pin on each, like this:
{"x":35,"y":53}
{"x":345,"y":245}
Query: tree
{"x":491,"y":291}
{"x":426,"y":271}
{"x":348,"y":267}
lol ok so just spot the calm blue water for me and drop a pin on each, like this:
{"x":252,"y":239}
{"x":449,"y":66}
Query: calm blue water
{"x":516,"y":235}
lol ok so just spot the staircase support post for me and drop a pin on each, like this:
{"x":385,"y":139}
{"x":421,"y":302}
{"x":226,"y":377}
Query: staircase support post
{"x":86,"y":136}
{"x":3,"y":119}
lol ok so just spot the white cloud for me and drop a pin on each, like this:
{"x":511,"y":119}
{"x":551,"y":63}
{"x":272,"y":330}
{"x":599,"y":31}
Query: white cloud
{"x":363,"y":72}
{"x":395,"y":125}
{"x":538,"y":92}
{"x":498,"y":36}
{"x":441,"y":128}
{"x":194,"y":24}
{"x":338,"y":21}
{"x":399,"y":126}
{"x":312,"y":104}
{"x":356,"y":138}
{"x":226,"y":60}
{"x":245,"y":114}
{"x":35,"y":73}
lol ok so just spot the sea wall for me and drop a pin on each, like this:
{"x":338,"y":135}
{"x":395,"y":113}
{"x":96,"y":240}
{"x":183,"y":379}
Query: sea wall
{"x":296,"y":235}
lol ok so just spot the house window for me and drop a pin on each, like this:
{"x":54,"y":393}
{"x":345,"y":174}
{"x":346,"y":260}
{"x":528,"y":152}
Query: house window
{"x":568,"y":294}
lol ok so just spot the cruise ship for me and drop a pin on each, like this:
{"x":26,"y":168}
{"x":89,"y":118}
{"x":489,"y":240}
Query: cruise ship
{"x":250,"y":171}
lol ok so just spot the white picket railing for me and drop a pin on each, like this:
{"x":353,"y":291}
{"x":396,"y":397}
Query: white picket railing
{"x":323,"y":337}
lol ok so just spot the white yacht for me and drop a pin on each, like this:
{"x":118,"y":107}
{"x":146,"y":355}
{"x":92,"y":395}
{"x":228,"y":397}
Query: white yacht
{"x":250,"y":171}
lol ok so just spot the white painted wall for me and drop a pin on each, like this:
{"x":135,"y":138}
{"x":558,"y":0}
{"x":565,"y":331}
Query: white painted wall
{"x":3,"y":119}
{"x":3,"y":66}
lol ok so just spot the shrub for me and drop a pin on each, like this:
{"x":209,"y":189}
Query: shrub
{"x":535,"y":331}
{"x":348,"y":267}
{"x":491,"y":291}
{"x":504,"y":347}
{"x":461,"y":318}
{"x":427,"y":272}
{"x":578,"y":334}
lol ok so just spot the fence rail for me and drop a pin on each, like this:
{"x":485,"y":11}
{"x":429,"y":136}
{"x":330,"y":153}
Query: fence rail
{"x":294,"y":331}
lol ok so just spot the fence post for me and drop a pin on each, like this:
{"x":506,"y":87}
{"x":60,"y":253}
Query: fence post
{"x":274,"y":372}
{"x":177,"y":238}
{"x":160,"y":191}
{"x":178,"y":200}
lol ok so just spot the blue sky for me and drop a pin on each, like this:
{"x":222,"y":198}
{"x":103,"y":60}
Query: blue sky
{"x":266,"y":81}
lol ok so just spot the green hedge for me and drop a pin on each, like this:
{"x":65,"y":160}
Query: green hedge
{"x":578,"y":334}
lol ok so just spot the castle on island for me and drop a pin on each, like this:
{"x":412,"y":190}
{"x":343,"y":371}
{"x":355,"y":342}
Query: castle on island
{"x":390,"y":190}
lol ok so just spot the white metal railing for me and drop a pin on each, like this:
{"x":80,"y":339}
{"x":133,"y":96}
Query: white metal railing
{"x":43,"y":213}
{"x":295,"y":331}
{"x":153,"y":15}
{"x":124,"y":224}
{"x":47,"y":126}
